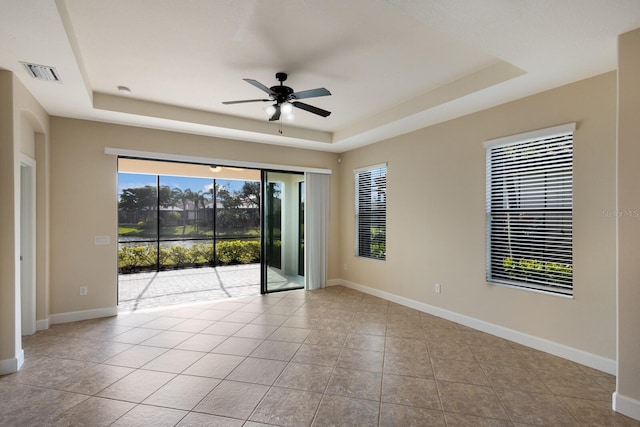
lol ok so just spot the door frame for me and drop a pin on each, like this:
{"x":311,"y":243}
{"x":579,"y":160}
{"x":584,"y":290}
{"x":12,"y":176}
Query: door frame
{"x":27,"y":251}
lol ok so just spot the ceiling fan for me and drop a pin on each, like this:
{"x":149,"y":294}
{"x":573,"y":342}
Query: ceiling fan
{"x":285,"y":98}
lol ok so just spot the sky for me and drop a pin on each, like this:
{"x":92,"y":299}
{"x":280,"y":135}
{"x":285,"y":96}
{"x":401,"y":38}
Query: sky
{"x":132,"y":180}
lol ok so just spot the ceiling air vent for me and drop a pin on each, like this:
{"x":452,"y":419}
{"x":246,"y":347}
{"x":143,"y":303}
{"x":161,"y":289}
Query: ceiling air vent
{"x":42,"y":72}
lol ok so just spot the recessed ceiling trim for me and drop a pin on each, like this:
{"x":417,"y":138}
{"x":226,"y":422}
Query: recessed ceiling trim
{"x":480,"y":80}
{"x":103,"y":101}
{"x":150,"y":155}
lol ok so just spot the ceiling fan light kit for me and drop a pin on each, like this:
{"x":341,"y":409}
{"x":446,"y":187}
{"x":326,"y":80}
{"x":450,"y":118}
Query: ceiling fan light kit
{"x":285,"y":99}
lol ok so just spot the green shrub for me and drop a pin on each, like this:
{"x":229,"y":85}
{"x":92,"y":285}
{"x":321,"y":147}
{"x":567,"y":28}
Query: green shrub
{"x":533,"y":268}
{"x":238,"y":251}
{"x":136,"y":258}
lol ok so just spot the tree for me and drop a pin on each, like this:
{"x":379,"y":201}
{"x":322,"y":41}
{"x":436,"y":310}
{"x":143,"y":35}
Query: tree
{"x":139,"y":202}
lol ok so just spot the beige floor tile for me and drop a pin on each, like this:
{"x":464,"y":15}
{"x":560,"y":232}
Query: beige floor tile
{"x":269,"y":319}
{"x":326,"y":338}
{"x":255,"y":331}
{"x":400,"y":415}
{"x":410,"y":391}
{"x":136,"y":386}
{"x":439,"y":334}
{"x":403,"y":331}
{"x":285,"y":310}
{"x":136,"y":356}
{"x":459,"y":371}
{"x":547,"y":362}
{"x":223,"y":328}
{"x":214,"y":365}
{"x":186,"y":312}
{"x":211,"y":315}
{"x":317,"y":355}
{"x":357,"y":384}
{"x":48,"y":372}
{"x":413,"y":365}
{"x":405,"y":345}
{"x":365,"y":360}
{"x":276,"y":350}
{"x":25,"y":405}
{"x":288,"y":334}
{"x":240,"y":317}
{"x":201,"y":342}
{"x":477,"y":338}
{"x":233,"y":399}
{"x":471,"y":399}
{"x":257,"y":371}
{"x":192,"y":325}
{"x":302,"y":376}
{"x":579,"y":386}
{"x":499,"y":356}
{"x":94,"y":412}
{"x":163,"y":323}
{"x":194,"y":419}
{"x":536,"y":408}
{"x":368,"y":328}
{"x":297,"y":343}
{"x":174,"y":361}
{"x":346,"y":411}
{"x":182,"y":392}
{"x":144,"y":416}
{"x":365,"y":342}
{"x":300,"y":322}
{"x":450,"y":350}
{"x":332,"y":325}
{"x":135,"y":335}
{"x":93,"y":378}
{"x":287,"y":407}
{"x":237,"y":346}
{"x":461,"y":420}
{"x":514,"y":378}
{"x":596,"y":413}
{"x":167,"y":339}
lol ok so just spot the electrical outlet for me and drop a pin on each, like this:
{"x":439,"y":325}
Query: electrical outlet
{"x":345,"y":267}
{"x":83,"y":290}
{"x":437,"y":288}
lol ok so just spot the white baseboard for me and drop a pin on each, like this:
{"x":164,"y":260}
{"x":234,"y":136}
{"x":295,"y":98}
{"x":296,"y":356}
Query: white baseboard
{"x":579,"y":356}
{"x":626,"y":405}
{"x":334,"y":282}
{"x":42,"y":324}
{"x":9,"y":366}
{"x":74,"y":316}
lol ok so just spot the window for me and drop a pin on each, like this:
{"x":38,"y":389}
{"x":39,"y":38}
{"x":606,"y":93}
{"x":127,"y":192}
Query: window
{"x":530,"y":210}
{"x":371,"y":212}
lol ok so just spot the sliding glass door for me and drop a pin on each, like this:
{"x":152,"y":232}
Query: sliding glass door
{"x":282,"y":231}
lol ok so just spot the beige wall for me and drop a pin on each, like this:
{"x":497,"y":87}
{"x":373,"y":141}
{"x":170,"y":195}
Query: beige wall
{"x":24,"y":128}
{"x":628,"y":387}
{"x":436,"y":218}
{"x":84,"y":198}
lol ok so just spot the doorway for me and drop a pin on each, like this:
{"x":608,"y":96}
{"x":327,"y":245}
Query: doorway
{"x":204,"y":232}
{"x":282,"y":265}
{"x":27,"y":245}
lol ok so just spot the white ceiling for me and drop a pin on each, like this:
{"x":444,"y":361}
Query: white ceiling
{"x":392,"y":66}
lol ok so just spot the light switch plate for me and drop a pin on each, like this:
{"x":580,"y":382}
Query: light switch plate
{"x":102,"y":240}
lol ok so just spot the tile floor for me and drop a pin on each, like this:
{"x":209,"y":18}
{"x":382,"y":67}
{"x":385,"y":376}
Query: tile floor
{"x":323,"y":358}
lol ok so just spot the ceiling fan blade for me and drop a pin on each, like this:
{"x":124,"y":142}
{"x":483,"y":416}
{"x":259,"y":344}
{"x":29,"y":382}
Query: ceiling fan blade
{"x":245,"y":100}
{"x":276,"y":114}
{"x":311,"y":93}
{"x":311,"y":108}
{"x":260,"y":86}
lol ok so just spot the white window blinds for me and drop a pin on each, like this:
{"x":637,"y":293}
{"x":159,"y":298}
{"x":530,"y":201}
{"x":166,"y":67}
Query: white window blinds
{"x":530,"y":210}
{"x":371,"y":212}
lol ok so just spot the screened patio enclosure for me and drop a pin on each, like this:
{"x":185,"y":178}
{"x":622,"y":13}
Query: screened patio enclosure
{"x":175,"y":216}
